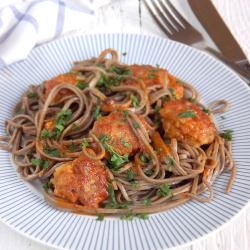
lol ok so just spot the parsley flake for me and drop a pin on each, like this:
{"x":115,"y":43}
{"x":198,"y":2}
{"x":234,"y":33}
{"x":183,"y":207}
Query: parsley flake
{"x":227,"y":134}
{"x":187,"y":114}
{"x":164,"y":190}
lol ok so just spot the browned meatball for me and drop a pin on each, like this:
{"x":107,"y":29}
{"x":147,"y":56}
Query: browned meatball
{"x":83,"y":180}
{"x":120,"y":134}
{"x":186,"y":122}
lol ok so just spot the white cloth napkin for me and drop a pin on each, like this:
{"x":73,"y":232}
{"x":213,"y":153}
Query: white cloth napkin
{"x":24,"y":24}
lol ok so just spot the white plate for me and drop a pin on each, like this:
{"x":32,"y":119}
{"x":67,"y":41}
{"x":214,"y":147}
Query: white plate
{"x":23,"y":208}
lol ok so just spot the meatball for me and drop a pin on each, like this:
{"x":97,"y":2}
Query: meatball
{"x":83,"y":180}
{"x":120,"y":134}
{"x":63,"y":78}
{"x":186,"y":122}
{"x":157,"y":76}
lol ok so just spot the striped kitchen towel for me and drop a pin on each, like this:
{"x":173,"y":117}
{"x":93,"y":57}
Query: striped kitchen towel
{"x":25,"y":24}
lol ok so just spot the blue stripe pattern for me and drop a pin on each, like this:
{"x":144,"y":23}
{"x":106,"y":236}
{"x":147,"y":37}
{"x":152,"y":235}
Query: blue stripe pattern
{"x":24,"y":209}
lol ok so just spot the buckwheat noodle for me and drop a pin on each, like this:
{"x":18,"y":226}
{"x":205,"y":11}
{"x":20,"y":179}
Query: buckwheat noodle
{"x":194,"y":168}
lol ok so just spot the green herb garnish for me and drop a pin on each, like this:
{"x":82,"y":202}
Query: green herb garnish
{"x":144,"y":157}
{"x":187,"y":114}
{"x":191,"y":99}
{"x":151,"y":76}
{"x":40,"y":162}
{"x":125,"y":113}
{"x":135,"y":101}
{"x":125,"y":143}
{"x":85,"y":143}
{"x":223,"y":117}
{"x":206,"y":111}
{"x":128,"y":216}
{"x":100,"y":217}
{"x":72,"y":148}
{"x":52,"y":152}
{"x":164,"y":190}
{"x":227,"y":134}
{"x":45,"y":133}
{"x":172,"y":91}
{"x":96,"y":113}
{"x":147,"y":201}
{"x":32,"y":95}
{"x":116,"y":160}
{"x":143,"y":216}
{"x":170,"y":160}
{"x":81,"y":85}
{"x":46,"y":186}
{"x":135,"y":124}
{"x":124,"y":53}
{"x":130,"y":175}
{"x":120,"y":70}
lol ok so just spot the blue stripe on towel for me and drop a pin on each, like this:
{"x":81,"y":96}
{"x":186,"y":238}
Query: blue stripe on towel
{"x":23,"y":16}
{"x":60,"y":18}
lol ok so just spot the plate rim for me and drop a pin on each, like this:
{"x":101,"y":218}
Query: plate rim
{"x":144,"y":36}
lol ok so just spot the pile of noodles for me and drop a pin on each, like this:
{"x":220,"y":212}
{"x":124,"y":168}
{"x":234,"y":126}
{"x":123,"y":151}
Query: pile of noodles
{"x":194,"y":169}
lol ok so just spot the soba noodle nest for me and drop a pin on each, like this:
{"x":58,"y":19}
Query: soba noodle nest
{"x":156,"y":183}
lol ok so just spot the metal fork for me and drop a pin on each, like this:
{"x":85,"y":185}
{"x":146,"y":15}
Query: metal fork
{"x":177,"y":28}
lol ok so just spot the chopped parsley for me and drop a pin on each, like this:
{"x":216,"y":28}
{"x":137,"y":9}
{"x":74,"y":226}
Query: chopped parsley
{"x":112,"y":200}
{"x":172,"y":91}
{"x":85,"y":143}
{"x":46,"y":186}
{"x":116,"y":160}
{"x":81,"y":85}
{"x":124,"y":53}
{"x":96,"y":113}
{"x":164,"y":190}
{"x":130,"y":175}
{"x":170,"y":160}
{"x":135,"y":101}
{"x":128,"y":216}
{"x":111,"y":193}
{"x":191,"y":99}
{"x":120,"y":70}
{"x":223,"y":117}
{"x":144,"y":157}
{"x":125,"y":143}
{"x":104,"y":138}
{"x":149,"y":172}
{"x":227,"y":134}
{"x":134,"y":184}
{"x":62,"y":118}
{"x":125,"y":113}
{"x":187,"y":114}
{"x":100,"y":217}
{"x":147,"y":201}
{"x":32,"y":95}
{"x":157,"y":66}
{"x":136,"y":125}
{"x":206,"y":111}
{"x":143,"y":216}
{"x":151,"y":76}
{"x":41,"y":163}
{"x":45,"y":133}
{"x":72,"y":148}
{"x":53,"y":152}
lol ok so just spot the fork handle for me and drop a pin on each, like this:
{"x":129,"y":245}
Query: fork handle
{"x":242,"y":67}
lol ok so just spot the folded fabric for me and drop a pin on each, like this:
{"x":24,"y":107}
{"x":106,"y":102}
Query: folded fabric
{"x":23,"y":25}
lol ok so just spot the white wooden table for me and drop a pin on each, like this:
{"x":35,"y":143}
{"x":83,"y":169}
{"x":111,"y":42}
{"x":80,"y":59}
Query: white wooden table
{"x":123,"y":16}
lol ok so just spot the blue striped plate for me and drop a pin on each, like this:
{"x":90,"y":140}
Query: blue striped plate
{"x":22,"y":206}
